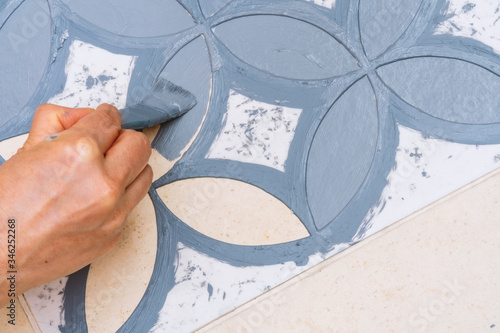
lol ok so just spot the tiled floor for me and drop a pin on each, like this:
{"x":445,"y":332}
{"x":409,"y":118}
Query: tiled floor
{"x":245,"y":144}
{"x":436,"y":271}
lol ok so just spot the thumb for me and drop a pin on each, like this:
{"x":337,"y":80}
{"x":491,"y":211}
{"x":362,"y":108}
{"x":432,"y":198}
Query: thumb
{"x":50,"y":119}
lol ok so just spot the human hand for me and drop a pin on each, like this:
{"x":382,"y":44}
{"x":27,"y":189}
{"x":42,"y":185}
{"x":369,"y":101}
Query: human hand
{"x":69,"y":196}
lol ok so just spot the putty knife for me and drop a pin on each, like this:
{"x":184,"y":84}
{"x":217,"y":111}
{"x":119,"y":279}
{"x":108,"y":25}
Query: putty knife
{"x":166,"y":102}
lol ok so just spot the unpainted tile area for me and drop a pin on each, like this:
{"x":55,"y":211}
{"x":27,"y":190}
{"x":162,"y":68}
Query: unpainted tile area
{"x":329,"y":175}
{"x":232,"y":211}
{"x":91,"y":81}
{"x":255,"y":132}
{"x":116,"y":282}
{"x":8,"y":148}
{"x":435,"y":272}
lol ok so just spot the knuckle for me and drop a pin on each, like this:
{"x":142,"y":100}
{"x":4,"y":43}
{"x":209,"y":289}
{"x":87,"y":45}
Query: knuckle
{"x":140,"y":140}
{"x":86,"y":147}
{"x":137,"y":142}
{"x":44,"y":108}
{"x":109,"y":195}
{"x":109,"y":121}
{"x":82,"y":150}
{"x":113,"y":116}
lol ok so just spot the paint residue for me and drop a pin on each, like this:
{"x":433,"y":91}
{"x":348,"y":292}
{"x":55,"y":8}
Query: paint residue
{"x":198,"y":273}
{"x":60,"y":43}
{"x":477,"y":20}
{"x":210,"y":290}
{"x":255,"y":132}
{"x":417,"y":159}
{"x":95,"y":76}
{"x":47,"y":302}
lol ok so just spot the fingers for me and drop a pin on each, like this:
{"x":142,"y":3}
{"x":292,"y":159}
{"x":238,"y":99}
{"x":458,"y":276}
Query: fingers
{"x":128,"y":156}
{"x":50,"y":119}
{"x":138,"y":189}
{"x":103,"y":126}
{"x":130,"y":198}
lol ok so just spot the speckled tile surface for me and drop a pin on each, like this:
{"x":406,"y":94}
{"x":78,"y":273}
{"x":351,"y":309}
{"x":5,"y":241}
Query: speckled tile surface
{"x":437,"y":271}
{"x":318,"y":124}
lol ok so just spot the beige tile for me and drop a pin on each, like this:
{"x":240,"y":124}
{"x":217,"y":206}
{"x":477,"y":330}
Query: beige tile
{"x":22,"y":325}
{"x":437,"y":271}
{"x":118,"y":281}
{"x":232,"y":211}
{"x":9,"y":147}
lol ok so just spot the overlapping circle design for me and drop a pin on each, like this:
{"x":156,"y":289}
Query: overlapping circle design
{"x":356,"y":71}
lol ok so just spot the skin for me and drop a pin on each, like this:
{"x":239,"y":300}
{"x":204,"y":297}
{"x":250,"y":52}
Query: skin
{"x":69,"y":196}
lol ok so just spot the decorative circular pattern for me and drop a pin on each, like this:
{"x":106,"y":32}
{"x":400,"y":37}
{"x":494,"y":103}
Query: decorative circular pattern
{"x":319,"y":82}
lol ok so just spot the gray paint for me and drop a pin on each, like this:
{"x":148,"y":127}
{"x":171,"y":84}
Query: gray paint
{"x":166,"y":101}
{"x":295,"y":49}
{"x":210,"y":7}
{"x":24,"y":53}
{"x":192,"y":61}
{"x":145,"y":18}
{"x":195,"y":56}
{"x":448,"y":89}
{"x":210,"y":290}
{"x":346,"y":139}
{"x":383,"y":22}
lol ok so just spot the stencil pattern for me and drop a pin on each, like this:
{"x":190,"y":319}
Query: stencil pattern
{"x":355,"y":69}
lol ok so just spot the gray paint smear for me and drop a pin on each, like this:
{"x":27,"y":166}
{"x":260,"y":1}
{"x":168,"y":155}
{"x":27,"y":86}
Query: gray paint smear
{"x":190,"y":69}
{"x":448,"y":89}
{"x":294,"y":49}
{"x":210,"y":290}
{"x":262,"y":76}
{"x":144,"y":18}
{"x":24,"y":53}
{"x":210,"y":7}
{"x":342,"y":152}
{"x":383,"y":22}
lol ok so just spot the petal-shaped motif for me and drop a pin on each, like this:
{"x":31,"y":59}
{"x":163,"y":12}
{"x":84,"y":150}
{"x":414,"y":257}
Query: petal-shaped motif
{"x":342,"y":152}
{"x":146,"y":18}
{"x":9,"y":147}
{"x":117,"y":282}
{"x":191,"y":69}
{"x":383,"y":22}
{"x":210,"y":7}
{"x":232,"y":211}
{"x":449,"y":89}
{"x":24,"y":55}
{"x":285,"y":47}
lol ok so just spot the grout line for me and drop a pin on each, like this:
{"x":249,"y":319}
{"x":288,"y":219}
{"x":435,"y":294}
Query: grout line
{"x":31,"y":317}
{"x":341,"y":255}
